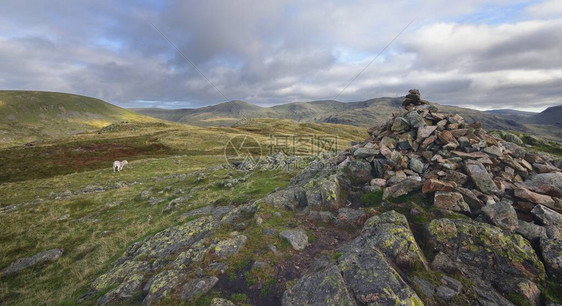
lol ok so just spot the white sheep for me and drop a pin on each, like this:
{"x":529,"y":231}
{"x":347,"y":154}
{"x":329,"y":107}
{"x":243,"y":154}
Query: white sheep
{"x":118,"y":165}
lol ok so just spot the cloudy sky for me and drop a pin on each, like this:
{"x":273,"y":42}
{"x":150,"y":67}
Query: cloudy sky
{"x":482,"y":54}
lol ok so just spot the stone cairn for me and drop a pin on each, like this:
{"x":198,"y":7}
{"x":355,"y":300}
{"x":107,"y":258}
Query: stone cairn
{"x":462,"y":167}
{"x":413,"y":98}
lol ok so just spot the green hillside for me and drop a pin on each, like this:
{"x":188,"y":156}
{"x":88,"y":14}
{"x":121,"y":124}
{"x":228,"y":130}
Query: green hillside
{"x":27,"y":116}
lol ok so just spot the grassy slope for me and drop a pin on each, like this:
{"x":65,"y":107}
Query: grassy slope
{"x":94,"y":234}
{"x":33,"y":115}
{"x":138,"y":141}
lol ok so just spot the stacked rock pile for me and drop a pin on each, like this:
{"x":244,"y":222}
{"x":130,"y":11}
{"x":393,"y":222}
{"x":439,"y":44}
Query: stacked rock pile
{"x":461,"y":166}
{"x":413,"y":98}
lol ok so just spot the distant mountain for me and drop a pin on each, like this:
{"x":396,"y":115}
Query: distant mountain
{"x":551,"y":115}
{"x":32,"y":115}
{"x":363,"y":113}
{"x":511,"y":114}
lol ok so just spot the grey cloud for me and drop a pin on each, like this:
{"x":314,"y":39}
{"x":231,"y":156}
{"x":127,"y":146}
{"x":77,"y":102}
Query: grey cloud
{"x":270,"y":52}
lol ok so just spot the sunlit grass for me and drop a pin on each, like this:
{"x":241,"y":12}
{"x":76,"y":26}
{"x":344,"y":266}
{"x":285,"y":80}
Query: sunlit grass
{"x":100,"y":226}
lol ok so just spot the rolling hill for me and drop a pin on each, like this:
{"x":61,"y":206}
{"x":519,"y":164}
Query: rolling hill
{"x":27,"y":116}
{"x":511,"y":114}
{"x":363,"y":113}
{"x":551,"y":115}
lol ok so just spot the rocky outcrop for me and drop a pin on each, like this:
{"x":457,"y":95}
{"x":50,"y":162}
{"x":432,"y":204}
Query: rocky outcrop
{"x":449,"y":288}
{"x":462,"y":169}
{"x":484,"y":251}
{"x":391,"y":234}
{"x":362,"y":274}
{"x":160,"y":265}
{"x":552,"y":253}
{"x":195,"y":288}
{"x":325,"y":287}
{"x":321,"y":185}
{"x":37,"y":259}
{"x":501,"y":214}
{"x":296,"y":237}
{"x":230,"y":246}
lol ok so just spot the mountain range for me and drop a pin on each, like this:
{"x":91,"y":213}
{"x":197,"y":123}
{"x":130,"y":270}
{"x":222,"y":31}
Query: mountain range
{"x":363,"y":113}
{"x":33,"y":115}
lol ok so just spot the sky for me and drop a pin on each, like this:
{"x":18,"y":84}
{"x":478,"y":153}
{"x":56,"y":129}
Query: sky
{"x":478,"y":54}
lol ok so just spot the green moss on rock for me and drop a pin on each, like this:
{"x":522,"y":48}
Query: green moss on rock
{"x":487,"y":247}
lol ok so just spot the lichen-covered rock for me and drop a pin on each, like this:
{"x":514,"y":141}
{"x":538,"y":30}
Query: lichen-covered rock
{"x":371,"y":278}
{"x":404,"y":187}
{"x":324,"y":216}
{"x":391,"y":234}
{"x":192,"y":256}
{"x":489,"y":297}
{"x":501,"y":214}
{"x":480,"y":177}
{"x":361,"y":271}
{"x":195,"y":288}
{"x":350,"y":216}
{"x":217,"y":211}
{"x":119,"y":273}
{"x":452,"y":201}
{"x":415,"y":120}
{"x":230,"y":246}
{"x":240,"y":212}
{"x":162,"y":285}
{"x":530,"y":230}
{"x":289,"y":198}
{"x":470,"y":198}
{"x":494,"y":253}
{"x":325,"y":287}
{"x":512,"y":138}
{"x":365,"y":152}
{"x":406,"y":142}
{"x":449,"y":288}
{"x":424,"y":286}
{"x":416,"y":165}
{"x":40,"y":258}
{"x":546,"y":183}
{"x":552,"y":253}
{"x":125,"y":290}
{"x":359,"y":171}
{"x":296,"y":237}
{"x":547,"y":216}
{"x":400,"y":125}
{"x":221,"y":302}
{"x":173,"y":239}
{"x":325,"y":192}
{"x":149,"y":256}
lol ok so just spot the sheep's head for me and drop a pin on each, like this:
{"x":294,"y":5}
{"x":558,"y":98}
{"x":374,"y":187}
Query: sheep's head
{"x":125,"y":162}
